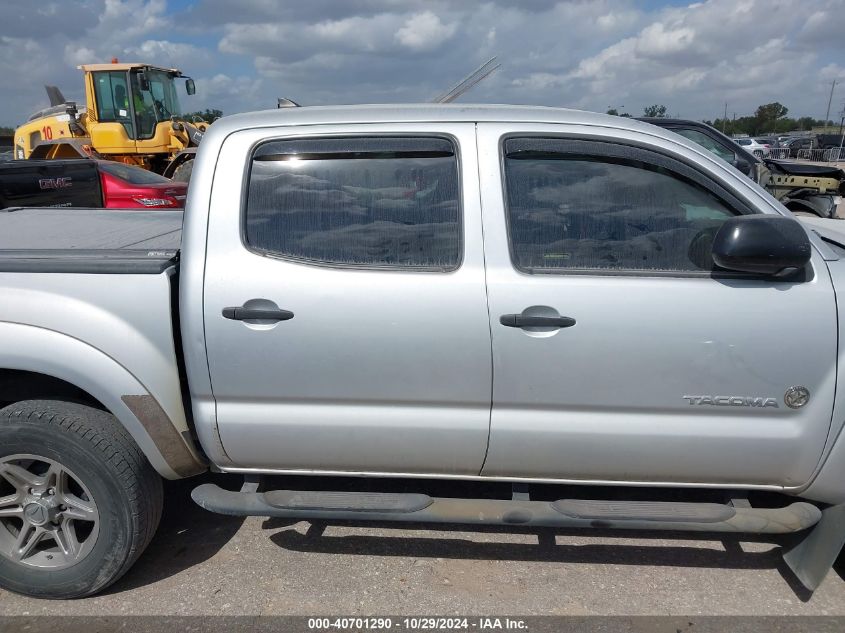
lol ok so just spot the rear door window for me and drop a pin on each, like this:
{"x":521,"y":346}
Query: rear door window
{"x":390,"y":202}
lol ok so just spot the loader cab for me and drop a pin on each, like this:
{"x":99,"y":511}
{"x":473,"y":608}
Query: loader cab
{"x":137,"y":99}
{"x":129,"y":102}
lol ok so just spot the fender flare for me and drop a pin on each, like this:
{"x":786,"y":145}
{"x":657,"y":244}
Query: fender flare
{"x":808,"y":205}
{"x":42,"y":351}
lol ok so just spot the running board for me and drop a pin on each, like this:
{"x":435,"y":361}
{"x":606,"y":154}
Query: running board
{"x":566,"y":513}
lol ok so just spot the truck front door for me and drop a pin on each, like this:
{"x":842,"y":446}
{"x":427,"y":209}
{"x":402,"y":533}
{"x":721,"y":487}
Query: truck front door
{"x":345,"y":306}
{"x":619,"y":353}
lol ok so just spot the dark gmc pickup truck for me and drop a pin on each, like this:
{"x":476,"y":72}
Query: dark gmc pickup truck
{"x":50,"y":183}
{"x":86,"y":183}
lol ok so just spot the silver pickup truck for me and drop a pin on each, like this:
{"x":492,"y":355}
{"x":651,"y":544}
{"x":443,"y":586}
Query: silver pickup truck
{"x":616,"y":326}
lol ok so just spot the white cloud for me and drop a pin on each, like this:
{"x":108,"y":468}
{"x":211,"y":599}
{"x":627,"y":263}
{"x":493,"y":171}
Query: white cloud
{"x":222,"y":86}
{"x":166,"y":53}
{"x":424,"y":31}
{"x":656,"y":40}
{"x":77,"y":55}
{"x":696,"y":57}
{"x":569,"y":53}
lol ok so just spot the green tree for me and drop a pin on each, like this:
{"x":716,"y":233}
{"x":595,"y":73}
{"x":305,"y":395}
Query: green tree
{"x":656,"y":110}
{"x":6,"y":131}
{"x":767,"y":117}
{"x":807,"y":122}
{"x":613,"y":111}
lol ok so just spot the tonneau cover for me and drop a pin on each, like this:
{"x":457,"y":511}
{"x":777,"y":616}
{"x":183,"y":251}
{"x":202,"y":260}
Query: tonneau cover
{"x":88,"y":240}
{"x":805,"y":169}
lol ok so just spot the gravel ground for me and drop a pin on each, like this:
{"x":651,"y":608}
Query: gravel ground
{"x":206,"y":564}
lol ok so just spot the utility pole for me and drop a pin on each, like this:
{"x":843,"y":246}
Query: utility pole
{"x":842,"y":122}
{"x":841,"y":132}
{"x":725,"y":118}
{"x":829,"y":101}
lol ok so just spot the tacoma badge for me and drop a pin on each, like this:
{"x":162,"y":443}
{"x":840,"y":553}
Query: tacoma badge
{"x":732,"y":401}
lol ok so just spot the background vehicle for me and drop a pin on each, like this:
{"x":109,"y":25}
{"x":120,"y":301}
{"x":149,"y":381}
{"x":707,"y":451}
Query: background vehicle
{"x":86,"y":183}
{"x":299,"y":328}
{"x":132,"y":114}
{"x":769,"y":141}
{"x":800,"y":187}
{"x":750,"y":144}
{"x":5,"y":147}
{"x":795,"y":145}
{"x":830,"y":141}
{"x":128,"y":187}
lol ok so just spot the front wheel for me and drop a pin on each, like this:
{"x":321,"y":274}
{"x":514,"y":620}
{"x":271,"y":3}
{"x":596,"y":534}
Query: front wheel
{"x":78,"y":500}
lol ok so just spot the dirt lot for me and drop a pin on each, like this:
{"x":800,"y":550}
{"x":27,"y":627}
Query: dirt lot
{"x":205,"y":564}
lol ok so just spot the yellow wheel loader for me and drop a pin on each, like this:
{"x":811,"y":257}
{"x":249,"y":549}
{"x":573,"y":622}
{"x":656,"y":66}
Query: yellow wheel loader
{"x":131,"y":115}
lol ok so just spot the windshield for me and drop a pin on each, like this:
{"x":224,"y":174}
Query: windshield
{"x":159,"y":103}
{"x":707,"y":143}
{"x":744,"y":141}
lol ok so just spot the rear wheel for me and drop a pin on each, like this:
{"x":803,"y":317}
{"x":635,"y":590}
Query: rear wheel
{"x":78,"y":500}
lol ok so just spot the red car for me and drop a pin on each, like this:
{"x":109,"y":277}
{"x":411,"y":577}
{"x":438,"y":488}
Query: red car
{"x":130,"y":187}
{"x":86,"y":183}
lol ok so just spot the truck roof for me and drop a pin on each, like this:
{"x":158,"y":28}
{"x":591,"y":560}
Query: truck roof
{"x":88,"y":240}
{"x":422,"y":112}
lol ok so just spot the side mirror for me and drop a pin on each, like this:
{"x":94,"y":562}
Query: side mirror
{"x":761,"y":244}
{"x":190,"y":86}
{"x":742,"y":165}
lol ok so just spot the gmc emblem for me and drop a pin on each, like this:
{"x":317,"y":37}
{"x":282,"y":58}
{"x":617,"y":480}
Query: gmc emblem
{"x":55,"y":183}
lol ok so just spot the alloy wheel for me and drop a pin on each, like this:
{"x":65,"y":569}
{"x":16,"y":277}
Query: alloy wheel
{"x":48,"y":517}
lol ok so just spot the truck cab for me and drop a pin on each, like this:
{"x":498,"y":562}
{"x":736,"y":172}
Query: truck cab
{"x":594,"y":313}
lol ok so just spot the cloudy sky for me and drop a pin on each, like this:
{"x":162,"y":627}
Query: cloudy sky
{"x":584,"y":54}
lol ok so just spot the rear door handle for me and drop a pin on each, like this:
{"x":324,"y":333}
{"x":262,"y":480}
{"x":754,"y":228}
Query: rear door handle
{"x":247,"y":314}
{"x":518,"y":320}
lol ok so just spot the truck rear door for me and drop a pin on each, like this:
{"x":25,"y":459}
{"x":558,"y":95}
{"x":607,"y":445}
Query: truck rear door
{"x":619,"y":355}
{"x":345,"y":307}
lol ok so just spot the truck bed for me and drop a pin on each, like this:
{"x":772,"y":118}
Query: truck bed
{"x":99,"y":241}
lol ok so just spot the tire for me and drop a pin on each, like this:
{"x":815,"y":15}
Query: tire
{"x":183,"y":172}
{"x":106,"y":471}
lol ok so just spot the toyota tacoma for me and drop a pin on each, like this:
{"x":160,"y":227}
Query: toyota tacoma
{"x":612,"y":323}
